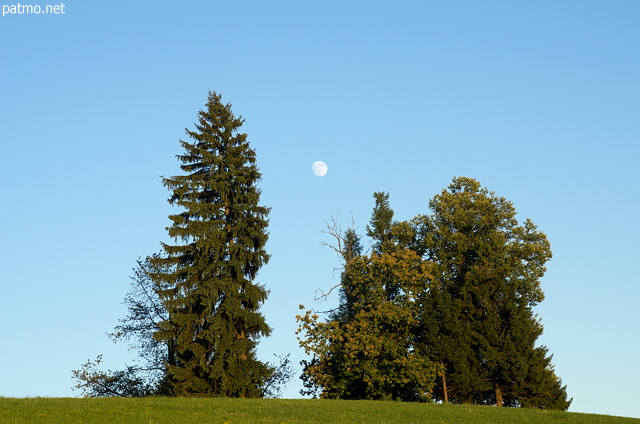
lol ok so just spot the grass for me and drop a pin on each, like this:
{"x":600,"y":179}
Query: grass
{"x":234,"y":411}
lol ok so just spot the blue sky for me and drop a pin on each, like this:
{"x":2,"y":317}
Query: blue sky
{"x":539,"y":101}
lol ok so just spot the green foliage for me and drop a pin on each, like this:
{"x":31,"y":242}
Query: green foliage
{"x":276,"y":411}
{"x":381,"y":224}
{"x":95,"y":382}
{"x":478,"y":319}
{"x":148,"y":376}
{"x":282,"y":373}
{"x":370,"y":355}
{"x":209,"y":292}
{"x":351,"y":249}
{"x":455,"y":288}
{"x":193,"y":311}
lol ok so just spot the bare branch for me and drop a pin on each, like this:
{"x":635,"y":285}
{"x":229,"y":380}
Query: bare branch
{"x":157,"y":309}
{"x":334,"y":230}
{"x":343,"y":245}
{"x":324,"y":295}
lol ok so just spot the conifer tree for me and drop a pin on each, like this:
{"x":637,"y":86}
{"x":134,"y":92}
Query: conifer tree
{"x":387,"y":234}
{"x":352,"y":250}
{"x":381,"y":224}
{"x":211,"y":295}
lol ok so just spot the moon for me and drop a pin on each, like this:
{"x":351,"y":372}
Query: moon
{"x":319,"y":168}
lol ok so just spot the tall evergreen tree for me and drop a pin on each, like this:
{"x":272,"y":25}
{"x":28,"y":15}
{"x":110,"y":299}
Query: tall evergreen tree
{"x":479,"y":320}
{"x":211,"y":295}
{"x":388,"y":235}
{"x":381,"y":224}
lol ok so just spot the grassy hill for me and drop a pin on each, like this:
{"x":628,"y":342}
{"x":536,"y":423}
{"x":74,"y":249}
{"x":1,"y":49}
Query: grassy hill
{"x":233,"y":411}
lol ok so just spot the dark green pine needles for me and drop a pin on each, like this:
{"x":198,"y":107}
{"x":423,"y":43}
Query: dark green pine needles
{"x":207,"y":277}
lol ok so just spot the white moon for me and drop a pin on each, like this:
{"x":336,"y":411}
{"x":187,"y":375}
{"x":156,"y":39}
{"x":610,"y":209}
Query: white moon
{"x":319,"y":168}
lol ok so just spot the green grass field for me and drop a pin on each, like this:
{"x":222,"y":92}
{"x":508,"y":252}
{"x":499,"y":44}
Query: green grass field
{"x":233,"y":411}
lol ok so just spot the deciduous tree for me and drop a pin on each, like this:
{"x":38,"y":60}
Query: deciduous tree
{"x":478,"y":319}
{"x":147,"y":376}
{"x":371,"y":355}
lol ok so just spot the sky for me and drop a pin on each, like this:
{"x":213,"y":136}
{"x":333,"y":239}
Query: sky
{"x":537,"y":100}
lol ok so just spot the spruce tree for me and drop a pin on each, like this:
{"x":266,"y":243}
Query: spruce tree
{"x":387,"y":234}
{"x":381,"y":224}
{"x":210,"y":291}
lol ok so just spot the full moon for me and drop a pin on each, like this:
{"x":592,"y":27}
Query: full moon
{"x":319,"y":168}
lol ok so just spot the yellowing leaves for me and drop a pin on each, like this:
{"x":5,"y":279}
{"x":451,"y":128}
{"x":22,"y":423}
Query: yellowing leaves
{"x":369,"y":355}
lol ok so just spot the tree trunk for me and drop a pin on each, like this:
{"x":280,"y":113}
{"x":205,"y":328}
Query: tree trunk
{"x":499,"y":399}
{"x":243,"y":357}
{"x":444,"y":385}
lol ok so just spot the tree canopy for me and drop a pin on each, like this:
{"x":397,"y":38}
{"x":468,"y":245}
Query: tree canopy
{"x":465,"y":319}
{"x":440,"y":309}
{"x":489,"y":268}
{"x":368,"y":354}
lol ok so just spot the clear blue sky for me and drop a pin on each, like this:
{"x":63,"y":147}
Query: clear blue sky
{"x":538,"y":100}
